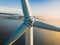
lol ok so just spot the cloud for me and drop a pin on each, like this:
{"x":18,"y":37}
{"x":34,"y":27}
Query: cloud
{"x":10,"y":10}
{"x":48,"y":10}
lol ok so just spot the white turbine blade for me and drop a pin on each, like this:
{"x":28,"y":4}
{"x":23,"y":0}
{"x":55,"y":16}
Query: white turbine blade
{"x":26,"y":8}
{"x":45,"y":26}
{"x":19,"y":32}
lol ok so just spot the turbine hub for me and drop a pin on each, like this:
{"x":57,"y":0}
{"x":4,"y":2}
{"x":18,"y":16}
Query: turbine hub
{"x":29,"y":21}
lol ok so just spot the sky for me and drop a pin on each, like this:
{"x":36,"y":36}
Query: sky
{"x":50,"y":8}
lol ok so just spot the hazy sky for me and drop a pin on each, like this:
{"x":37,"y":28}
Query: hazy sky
{"x":39,"y":7}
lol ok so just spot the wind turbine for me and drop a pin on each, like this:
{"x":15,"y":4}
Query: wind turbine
{"x":27,"y":26}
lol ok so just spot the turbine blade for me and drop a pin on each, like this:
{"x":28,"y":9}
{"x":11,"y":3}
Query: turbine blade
{"x":26,"y":8}
{"x":45,"y":26}
{"x":19,"y":32}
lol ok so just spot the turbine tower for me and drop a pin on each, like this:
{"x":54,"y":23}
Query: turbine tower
{"x":27,"y":26}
